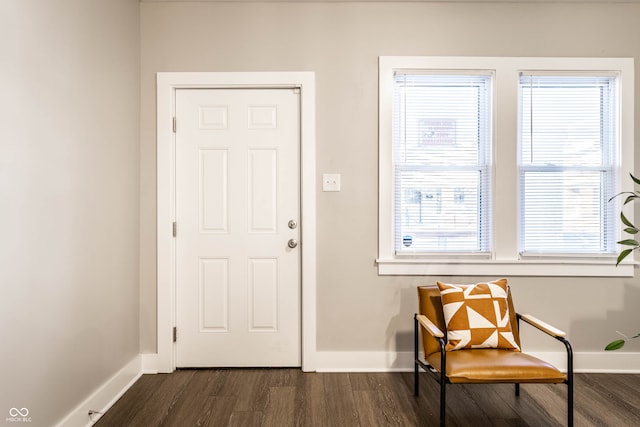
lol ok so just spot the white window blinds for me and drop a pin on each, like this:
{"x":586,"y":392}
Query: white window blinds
{"x":441,"y":162}
{"x":567,"y":166}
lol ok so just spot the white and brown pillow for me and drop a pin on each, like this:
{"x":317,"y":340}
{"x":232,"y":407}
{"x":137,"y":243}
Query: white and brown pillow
{"x":477,"y":316}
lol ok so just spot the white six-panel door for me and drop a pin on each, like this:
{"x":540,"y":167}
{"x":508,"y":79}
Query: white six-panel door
{"x":237,"y":214}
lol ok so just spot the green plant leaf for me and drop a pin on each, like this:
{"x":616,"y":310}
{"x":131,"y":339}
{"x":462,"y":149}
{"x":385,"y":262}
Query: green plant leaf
{"x":623,"y":255}
{"x":615,"y":345}
{"x":625,"y":221}
{"x":628,"y":242}
{"x":631,"y":229}
{"x":630,"y":193}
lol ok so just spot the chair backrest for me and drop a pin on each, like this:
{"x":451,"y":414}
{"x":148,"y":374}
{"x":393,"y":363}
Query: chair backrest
{"x":430,"y":304}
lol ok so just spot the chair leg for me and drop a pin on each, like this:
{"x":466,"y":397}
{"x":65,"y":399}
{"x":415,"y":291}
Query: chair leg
{"x":517,"y":389}
{"x":443,"y":404}
{"x":443,"y":384}
{"x":416,"y":387}
{"x":570,"y":399}
{"x":569,"y":381}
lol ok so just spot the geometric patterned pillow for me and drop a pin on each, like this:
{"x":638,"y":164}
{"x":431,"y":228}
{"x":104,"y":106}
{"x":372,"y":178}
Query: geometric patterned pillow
{"x":477,"y":316}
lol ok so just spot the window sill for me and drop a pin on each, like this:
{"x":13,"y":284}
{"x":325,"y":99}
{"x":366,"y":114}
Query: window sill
{"x":476,"y":267}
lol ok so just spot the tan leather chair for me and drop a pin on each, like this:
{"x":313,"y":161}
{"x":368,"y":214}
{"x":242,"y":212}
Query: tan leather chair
{"x":481,"y":365}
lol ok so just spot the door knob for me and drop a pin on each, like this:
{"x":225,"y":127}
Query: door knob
{"x":292,"y":224}
{"x":292,"y":243}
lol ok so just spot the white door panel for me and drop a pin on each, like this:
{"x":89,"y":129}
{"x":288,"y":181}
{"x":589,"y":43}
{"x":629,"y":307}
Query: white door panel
{"x":237,"y":188}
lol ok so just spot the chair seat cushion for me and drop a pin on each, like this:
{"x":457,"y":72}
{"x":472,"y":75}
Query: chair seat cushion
{"x":497,"y":366}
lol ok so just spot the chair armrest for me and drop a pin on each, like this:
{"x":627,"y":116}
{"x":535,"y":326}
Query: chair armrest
{"x":544,"y":327}
{"x":429,"y":326}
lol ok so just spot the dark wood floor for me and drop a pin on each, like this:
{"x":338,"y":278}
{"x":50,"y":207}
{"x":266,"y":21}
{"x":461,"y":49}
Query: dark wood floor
{"x":289,"y":397}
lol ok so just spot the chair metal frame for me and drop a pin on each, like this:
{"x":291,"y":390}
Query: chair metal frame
{"x":443,"y":380}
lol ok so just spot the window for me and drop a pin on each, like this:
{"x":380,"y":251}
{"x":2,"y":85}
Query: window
{"x":503,"y":165}
{"x":441,"y":157}
{"x":568,"y":155}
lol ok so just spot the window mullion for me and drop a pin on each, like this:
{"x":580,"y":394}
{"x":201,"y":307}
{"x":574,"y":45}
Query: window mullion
{"x":505,"y":189}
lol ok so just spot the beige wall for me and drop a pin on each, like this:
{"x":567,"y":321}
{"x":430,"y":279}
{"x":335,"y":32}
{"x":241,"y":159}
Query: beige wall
{"x":357,"y":309}
{"x":69,"y":200}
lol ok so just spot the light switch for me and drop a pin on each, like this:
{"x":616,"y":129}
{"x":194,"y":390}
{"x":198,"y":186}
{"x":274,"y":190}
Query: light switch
{"x":331,"y":182}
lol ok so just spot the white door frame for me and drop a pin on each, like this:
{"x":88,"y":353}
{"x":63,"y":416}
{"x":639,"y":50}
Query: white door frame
{"x":167,"y":83}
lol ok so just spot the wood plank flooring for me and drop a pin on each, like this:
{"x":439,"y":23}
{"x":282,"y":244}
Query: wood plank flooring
{"x":289,"y":397}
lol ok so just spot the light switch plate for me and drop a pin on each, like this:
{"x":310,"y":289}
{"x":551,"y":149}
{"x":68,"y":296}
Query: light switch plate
{"x":331,"y":182}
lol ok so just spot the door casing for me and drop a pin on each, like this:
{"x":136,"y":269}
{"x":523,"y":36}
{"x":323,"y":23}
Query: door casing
{"x":167,"y":83}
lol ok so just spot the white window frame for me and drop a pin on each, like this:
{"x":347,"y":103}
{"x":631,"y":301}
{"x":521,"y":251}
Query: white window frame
{"x":504,"y":259}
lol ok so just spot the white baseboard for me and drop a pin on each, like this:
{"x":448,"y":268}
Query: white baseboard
{"x":149,"y":363}
{"x":613,"y":362}
{"x":372,"y":361}
{"x":363,"y":361}
{"x":105,"y":396}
